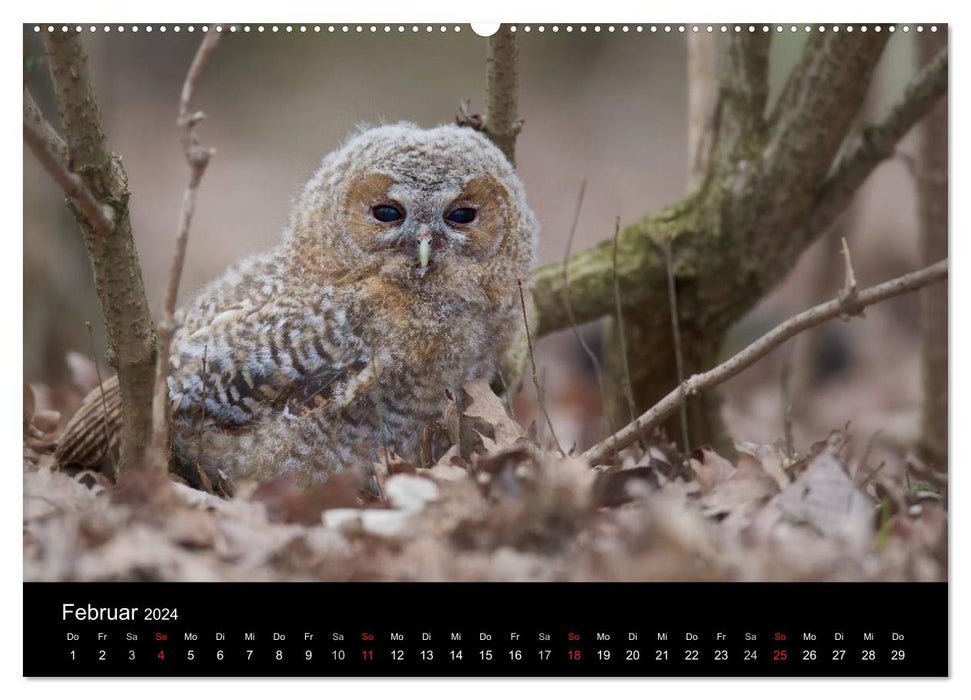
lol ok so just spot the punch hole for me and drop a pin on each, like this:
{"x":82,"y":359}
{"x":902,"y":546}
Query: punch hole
{"x":485,"y":28}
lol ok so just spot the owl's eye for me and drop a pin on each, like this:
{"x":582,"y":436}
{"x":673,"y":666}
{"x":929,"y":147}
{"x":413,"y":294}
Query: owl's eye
{"x":463,"y":215}
{"x":387,"y":213}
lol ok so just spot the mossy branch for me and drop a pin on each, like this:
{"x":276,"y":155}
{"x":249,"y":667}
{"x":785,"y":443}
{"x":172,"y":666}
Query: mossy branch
{"x":733,"y":240}
{"x":772,"y":184}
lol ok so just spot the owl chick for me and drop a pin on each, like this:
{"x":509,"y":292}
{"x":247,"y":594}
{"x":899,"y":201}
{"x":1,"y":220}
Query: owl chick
{"x":395,"y":283}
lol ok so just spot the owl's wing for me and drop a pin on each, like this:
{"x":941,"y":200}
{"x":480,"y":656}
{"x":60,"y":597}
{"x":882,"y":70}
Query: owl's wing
{"x":250,"y":363}
{"x":242,"y":366}
{"x":92,"y":436}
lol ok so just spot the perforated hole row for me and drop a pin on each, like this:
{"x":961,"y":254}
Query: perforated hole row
{"x":428,"y":28}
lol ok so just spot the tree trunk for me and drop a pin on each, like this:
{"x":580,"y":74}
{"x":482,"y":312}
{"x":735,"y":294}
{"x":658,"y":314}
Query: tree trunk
{"x":772,"y":185}
{"x":932,"y":179}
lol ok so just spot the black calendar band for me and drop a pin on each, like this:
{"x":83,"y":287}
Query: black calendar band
{"x":485,"y":629}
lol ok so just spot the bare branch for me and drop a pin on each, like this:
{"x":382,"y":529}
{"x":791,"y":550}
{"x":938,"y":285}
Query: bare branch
{"x":73,"y":186}
{"x":849,"y":285}
{"x":761,"y":347}
{"x":198,"y":158}
{"x":32,"y":114}
{"x":876,"y":143}
{"x":502,"y":123}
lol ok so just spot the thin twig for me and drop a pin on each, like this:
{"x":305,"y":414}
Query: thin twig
{"x":198,"y":159}
{"x":205,"y":397}
{"x":849,"y":285}
{"x":104,"y":403}
{"x":73,"y":186}
{"x":505,"y":390}
{"x":866,"y":458}
{"x":597,"y":369}
{"x":532,"y":362}
{"x":761,"y":347}
{"x":678,"y":350}
{"x":628,"y":385}
{"x":786,"y":381}
{"x":877,"y":142}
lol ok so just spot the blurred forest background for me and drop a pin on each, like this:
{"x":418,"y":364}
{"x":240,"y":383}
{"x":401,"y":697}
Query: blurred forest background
{"x":607,"y":108}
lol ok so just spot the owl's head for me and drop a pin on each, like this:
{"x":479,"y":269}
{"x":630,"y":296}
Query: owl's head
{"x":424,"y":209}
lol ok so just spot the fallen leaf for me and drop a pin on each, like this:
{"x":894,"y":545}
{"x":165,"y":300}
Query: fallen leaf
{"x":769,"y":457}
{"x":825,"y":498}
{"x":488,"y":414}
{"x":710,"y":468}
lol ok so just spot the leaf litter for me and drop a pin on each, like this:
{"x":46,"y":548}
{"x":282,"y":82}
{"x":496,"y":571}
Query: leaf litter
{"x":493,"y":505}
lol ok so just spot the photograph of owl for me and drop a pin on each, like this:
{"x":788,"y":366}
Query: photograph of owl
{"x":395,"y":283}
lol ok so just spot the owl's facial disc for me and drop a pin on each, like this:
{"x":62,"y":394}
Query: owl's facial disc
{"x":418,"y":230}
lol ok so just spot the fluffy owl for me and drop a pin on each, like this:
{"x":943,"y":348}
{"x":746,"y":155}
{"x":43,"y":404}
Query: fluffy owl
{"x":395,"y":283}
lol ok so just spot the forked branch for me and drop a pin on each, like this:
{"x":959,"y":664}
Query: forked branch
{"x":628,"y":435}
{"x":38,"y":141}
{"x":102,"y":211}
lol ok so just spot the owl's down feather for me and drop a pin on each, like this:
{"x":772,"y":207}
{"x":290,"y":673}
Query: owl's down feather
{"x":394,"y":284}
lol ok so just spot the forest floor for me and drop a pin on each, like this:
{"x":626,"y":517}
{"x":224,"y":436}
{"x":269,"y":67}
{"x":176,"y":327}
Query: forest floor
{"x":509,"y":511}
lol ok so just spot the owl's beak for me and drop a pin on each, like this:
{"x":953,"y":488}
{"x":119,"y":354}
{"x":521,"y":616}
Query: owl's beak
{"x":424,"y":252}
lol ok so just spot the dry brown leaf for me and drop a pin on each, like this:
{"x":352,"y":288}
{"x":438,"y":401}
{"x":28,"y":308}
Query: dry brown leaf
{"x":450,"y":419}
{"x":452,"y":458}
{"x":710,"y":468}
{"x":488,"y":414}
{"x":748,"y":485}
{"x":826,"y":499}
{"x":622,"y":486}
{"x":288,"y":502}
{"x":770,"y":458}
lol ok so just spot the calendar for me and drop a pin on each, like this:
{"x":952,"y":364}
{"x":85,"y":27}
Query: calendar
{"x":424,"y":629}
{"x":524,"y":349}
